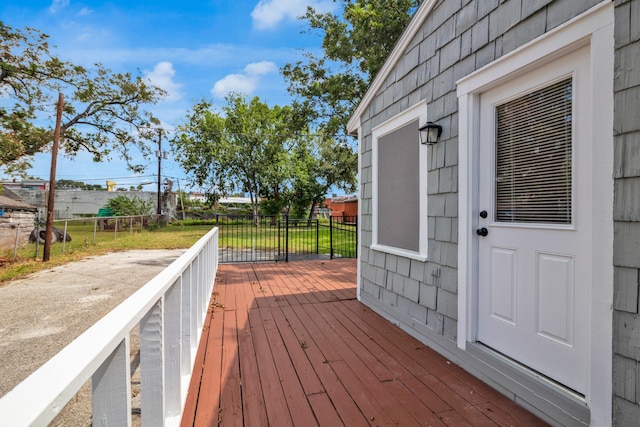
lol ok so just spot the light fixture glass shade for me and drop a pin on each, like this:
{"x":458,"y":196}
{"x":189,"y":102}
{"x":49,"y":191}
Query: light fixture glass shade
{"x":430,"y":133}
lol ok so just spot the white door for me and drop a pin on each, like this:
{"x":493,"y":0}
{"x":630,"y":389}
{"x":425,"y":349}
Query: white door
{"x":534,"y":220}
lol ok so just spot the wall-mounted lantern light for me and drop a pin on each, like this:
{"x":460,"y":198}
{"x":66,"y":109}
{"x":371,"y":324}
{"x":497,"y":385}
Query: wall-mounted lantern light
{"x":430,"y":133}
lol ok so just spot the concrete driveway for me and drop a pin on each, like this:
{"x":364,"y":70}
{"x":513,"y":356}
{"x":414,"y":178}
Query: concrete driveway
{"x":45,"y":311}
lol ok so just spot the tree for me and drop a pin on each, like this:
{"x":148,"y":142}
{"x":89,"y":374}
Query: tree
{"x":321,"y":164}
{"x":244,"y":148}
{"x":355,"y":46}
{"x":100,"y":112}
{"x":129,"y":206}
{"x":68,"y":184}
{"x":28,"y":75}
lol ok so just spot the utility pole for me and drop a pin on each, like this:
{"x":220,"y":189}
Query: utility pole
{"x":52,"y":181}
{"x":159,"y":154}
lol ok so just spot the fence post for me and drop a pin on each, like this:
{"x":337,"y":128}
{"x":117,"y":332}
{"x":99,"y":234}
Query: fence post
{"x":317,"y":236}
{"x":95,"y":230}
{"x":64,"y":235}
{"x":286,"y":238}
{"x":37,"y":234}
{"x":115,"y":230}
{"x":330,"y":237}
{"x":15,"y":245}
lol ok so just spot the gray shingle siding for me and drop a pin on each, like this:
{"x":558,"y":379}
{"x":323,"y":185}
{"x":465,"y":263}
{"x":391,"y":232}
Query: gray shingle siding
{"x":626,"y":318}
{"x":457,"y":38}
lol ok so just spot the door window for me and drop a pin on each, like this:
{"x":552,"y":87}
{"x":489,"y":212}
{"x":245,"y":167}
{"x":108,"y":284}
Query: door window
{"x":533,"y":156}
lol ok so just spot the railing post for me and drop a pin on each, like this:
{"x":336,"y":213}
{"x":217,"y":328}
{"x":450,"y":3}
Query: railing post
{"x":317,"y":236}
{"x":111,"y":389}
{"x":188,"y":338}
{"x":152,"y":367}
{"x":196,"y":314}
{"x":172,"y":350}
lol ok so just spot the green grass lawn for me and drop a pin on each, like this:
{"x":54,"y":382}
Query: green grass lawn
{"x":88,"y":240}
{"x":82,"y":245}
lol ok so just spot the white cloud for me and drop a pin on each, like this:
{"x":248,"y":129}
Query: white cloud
{"x":246,"y":82}
{"x":269,"y":13}
{"x":162,"y":76}
{"x":58,"y":5}
{"x":85,"y":11}
{"x":260,"y":68}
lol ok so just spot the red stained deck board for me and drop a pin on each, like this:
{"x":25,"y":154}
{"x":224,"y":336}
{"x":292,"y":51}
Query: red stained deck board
{"x":353,"y":373}
{"x":275,"y":402}
{"x":399,"y":370}
{"x":334,"y":286}
{"x":345,"y":406}
{"x":209,"y":397}
{"x":407,"y":398}
{"x":324,"y":410}
{"x":298,"y":405}
{"x":230,"y":413}
{"x":189,"y":412}
{"x":349,"y":345}
{"x":366,"y":368}
{"x":361,"y":394}
{"x":288,"y":344}
{"x":253,"y":400}
{"x":297,"y":352}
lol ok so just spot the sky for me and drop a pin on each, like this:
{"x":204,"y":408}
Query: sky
{"x":193,"y":49}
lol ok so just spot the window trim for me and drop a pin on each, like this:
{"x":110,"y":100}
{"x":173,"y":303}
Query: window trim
{"x":416,"y":112}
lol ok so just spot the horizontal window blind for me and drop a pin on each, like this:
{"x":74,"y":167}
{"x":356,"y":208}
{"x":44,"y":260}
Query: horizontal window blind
{"x":533,"y":156}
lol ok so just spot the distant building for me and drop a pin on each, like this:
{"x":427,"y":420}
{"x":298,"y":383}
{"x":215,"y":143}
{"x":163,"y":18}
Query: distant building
{"x":345,"y":206}
{"x":16,"y":220}
{"x":27,"y":185}
{"x":197,"y":197}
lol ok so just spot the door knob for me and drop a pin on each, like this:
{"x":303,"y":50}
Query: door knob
{"x":482,"y":231}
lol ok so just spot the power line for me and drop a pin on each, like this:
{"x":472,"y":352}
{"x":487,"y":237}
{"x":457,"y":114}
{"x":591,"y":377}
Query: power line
{"x":113,"y":178}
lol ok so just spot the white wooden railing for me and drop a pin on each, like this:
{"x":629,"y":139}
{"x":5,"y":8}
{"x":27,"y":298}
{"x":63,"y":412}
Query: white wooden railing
{"x":170,"y":310}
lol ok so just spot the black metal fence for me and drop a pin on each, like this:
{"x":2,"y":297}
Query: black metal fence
{"x":266,"y":238}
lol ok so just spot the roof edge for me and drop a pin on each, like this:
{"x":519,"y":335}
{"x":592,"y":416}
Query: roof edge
{"x":403,"y":42}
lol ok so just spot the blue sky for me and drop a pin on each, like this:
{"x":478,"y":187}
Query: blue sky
{"x":192,"y":49}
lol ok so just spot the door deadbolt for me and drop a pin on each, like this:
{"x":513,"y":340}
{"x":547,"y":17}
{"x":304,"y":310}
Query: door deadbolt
{"x":483,"y":214}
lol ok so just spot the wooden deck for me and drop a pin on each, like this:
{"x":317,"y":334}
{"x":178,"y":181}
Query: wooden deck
{"x":288,"y":344}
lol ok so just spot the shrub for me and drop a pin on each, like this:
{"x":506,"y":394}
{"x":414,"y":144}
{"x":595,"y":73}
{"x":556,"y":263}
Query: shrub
{"x":122,"y":205}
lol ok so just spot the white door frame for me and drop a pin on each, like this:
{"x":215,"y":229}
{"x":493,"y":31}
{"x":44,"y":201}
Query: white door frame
{"x":595,"y":29}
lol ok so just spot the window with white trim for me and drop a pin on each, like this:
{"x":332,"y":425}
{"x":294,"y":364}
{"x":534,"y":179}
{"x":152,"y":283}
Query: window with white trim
{"x":399,"y":185}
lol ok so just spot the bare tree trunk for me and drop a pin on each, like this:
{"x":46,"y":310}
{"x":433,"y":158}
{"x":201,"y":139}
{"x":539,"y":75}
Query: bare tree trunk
{"x":254,"y":208}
